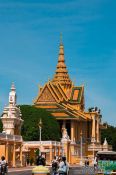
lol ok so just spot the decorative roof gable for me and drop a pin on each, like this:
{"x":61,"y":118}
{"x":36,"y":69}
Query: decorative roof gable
{"x":46,"y":96}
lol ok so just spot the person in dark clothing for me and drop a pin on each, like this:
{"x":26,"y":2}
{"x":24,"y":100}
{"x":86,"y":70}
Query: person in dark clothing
{"x":41,"y":161}
{"x":4,"y":166}
{"x":54,"y":166}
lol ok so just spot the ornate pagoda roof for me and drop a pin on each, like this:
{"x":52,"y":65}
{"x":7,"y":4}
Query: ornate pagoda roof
{"x":60,"y":96}
{"x":61,"y":73}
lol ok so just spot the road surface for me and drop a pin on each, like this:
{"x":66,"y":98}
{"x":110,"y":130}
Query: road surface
{"x":73,"y":171}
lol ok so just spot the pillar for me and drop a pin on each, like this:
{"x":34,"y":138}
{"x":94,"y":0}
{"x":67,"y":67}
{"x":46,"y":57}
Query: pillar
{"x":6,"y":152}
{"x":93,"y":127}
{"x":75,"y":130}
{"x":21,"y":154}
{"x":55,"y":150}
{"x":79,"y":130}
{"x":72,"y":130}
{"x":70,"y":153}
{"x":14,"y":155}
{"x":59,"y":150}
{"x":98,"y":123}
{"x":51,"y":154}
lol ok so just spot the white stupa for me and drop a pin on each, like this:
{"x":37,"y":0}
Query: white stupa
{"x":11,"y":117}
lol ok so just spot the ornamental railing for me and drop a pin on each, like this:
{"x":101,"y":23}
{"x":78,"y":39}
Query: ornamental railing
{"x":95,"y":147}
{"x":99,"y":147}
{"x":54,"y":143}
{"x":9,"y":137}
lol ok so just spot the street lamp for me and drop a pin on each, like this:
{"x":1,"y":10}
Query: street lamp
{"x":81,"y":144}
{"x":40,"y":128}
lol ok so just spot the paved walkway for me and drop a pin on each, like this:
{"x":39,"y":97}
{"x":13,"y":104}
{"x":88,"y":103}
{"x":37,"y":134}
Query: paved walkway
{"x":74,"y":170}
{"x":22,"y":169}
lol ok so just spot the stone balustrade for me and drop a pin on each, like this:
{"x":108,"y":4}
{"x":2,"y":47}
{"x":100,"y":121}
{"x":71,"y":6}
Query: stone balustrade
{"x":54,"y":143}
{"x":8,"y":137}
{"x":95,"y":147}
{"x":98,"y":147}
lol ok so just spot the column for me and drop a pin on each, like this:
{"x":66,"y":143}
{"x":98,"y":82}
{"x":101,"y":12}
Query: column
{"x":69,"y":153}
{"x":6,"y":152}
{"x":14,"y":155}
{"x":98,"y":122}
{"x":72,"y":130}
{"x":21,"y":154}
{"x":75,"y":130}
{"x":55,"y":150}
{"x":59,"y":150}
{"x":51,"y":153}
{"x":79,"y":130}
{"x":93,"y":127}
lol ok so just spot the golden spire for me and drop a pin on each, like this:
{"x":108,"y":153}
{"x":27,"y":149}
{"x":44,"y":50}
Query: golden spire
{"x":61,"y":74}
{"x":60,"y":38}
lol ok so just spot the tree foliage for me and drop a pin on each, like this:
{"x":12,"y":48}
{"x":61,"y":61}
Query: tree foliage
{"x":110,"y":135}
{"x":30,"y":129}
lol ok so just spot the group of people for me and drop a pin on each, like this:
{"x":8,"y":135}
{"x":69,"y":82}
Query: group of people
{"x":95,"y":162}
{"x":60,"y":166}
{"x":3,"y":166}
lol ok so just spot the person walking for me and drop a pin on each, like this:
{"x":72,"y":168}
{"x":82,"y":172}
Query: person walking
{"x":55,"y":166}
{"x":4,"y":166}
{"x":95,"y":163}
{"x":63,"y":167}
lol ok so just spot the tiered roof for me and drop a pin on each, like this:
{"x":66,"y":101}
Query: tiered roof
{"x":60,"y":96}
{"x":61,"y":74}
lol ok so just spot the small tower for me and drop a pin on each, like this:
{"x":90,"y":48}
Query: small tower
{"x":12,"y":96}
{"x":11,"y":117}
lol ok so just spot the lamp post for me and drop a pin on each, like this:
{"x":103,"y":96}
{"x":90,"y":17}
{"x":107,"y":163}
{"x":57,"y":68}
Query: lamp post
{"x":81,"y":144}
{"x":40,"y":128}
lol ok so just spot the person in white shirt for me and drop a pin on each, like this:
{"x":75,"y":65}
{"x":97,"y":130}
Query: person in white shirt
{"x":63,"y":167}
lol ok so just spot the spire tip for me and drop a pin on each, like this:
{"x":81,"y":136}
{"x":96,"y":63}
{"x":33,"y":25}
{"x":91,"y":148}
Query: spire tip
{"x":61,"y":38}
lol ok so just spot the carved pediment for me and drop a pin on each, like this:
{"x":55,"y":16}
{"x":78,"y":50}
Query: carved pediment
{"x":46,"y":96}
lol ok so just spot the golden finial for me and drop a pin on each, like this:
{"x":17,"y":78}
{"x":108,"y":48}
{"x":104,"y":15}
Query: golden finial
{"x":61,"y":38}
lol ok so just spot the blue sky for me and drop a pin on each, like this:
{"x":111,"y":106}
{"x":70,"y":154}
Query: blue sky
{"x":29,"y":44}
